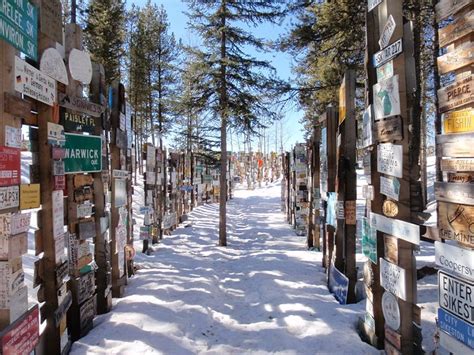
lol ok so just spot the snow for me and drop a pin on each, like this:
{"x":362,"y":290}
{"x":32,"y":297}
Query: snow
{"x":263,"y":293}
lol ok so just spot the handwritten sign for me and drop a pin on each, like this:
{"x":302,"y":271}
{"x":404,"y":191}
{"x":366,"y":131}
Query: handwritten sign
{"x":387,"y":54}
{"x":456,"y":222}
{"x":458,"y":94}
{"x":10,"y":161}
{"x":386,"y":98}
{"x":87,"y":312}
{"x":9,"y":197}
{"x":53,"y":65}
{"x":29,"y":196}
{"x":58,"y":213}
{"x":390,"y":187}
{"x":387,"y":32}
{"x":78,"y":104}
{"x":393,"y":278}
{"x":389,"y":129}
{"x":457,"y":59}
{"x":13,"y":246}
{"x":84,"y":287}
{"x":22,"y":336}
{"x":400,"y":229}
{"x":390,"y":159}
{"x":33,"y":83}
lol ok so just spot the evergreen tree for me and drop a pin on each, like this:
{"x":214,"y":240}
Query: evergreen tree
{"x":234,"y":82}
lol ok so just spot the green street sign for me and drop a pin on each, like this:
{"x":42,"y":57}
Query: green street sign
{"x":19,"y":26}
{"x":83,"y":154}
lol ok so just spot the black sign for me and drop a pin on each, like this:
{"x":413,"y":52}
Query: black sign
{"x":77,"y":122}
{"x":61,"y":272}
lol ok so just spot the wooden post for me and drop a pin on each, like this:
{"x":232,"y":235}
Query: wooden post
{"x":331,"y":128}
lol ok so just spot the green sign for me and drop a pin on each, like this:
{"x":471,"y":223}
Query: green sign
{"x":369,"y":240}
{"x":83,"y":154}
{"x":19,"y":26}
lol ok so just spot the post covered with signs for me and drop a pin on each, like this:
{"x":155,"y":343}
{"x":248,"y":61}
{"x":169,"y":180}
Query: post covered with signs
{"x":454,"y":192}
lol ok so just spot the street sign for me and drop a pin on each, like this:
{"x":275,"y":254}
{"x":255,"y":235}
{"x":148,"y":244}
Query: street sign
{"x":400,"y":229}
{"x":83,"y":153}
{"x":452,"y":345}
{"x":387,"y":54}
{"x":455,"y":259}
{"x":456,"y":327}
{"x":387,"y":32}
{"x":10,"y":162}
{"x":390,"y":159}
{"x":33,"y":83}
{"x":19,"y":26}
{"x":393,"y":279}
{"x":77,"y":122}
{"x":456,"y":296}
{"x":338,"y":284}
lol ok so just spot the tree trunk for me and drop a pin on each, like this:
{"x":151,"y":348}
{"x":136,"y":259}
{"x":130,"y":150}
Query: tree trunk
{"x":223,"y":109}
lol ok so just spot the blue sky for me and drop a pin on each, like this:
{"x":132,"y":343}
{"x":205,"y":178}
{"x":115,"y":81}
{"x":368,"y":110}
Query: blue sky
{"x":292,"y":129}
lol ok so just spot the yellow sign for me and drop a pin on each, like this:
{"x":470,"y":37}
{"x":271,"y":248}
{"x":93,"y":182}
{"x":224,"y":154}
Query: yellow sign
{"x":29,"y":196}
{"x":342,"y":101}
{"x":459,"y":121}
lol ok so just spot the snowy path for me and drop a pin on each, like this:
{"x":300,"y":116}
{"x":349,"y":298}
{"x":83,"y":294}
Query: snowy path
{"x":264,"y":293}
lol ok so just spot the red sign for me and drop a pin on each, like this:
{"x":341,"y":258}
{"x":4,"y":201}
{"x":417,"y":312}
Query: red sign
{"x":60,"y":182}
{"x":21,"y":337}
{"x":58,"y":153}
{"x":10,"y":161}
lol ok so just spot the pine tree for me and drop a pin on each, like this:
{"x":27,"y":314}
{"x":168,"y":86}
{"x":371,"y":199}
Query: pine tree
{"x":235,"y":82}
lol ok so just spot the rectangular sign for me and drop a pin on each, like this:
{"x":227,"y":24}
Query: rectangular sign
{"x":367,"y":127}
{"x":77,"y":122}
{"x":456,"y":296}
{"x":19,"y":26}
{"x":9,"y":197}
{"x":369,"y":240}
{"x":12,"y":137}
{"x":393,"y":278}
{"x":33,"y":83}
{"x":58,"y":168}
{"x":83,"y":153}
{"x":390,"y":159}
{"x":389,"y":129}
{"x":19,"y":223}
{"x":446,"y":8}
{"x":452,"y":345}
{"x":120,"y":174}
{"x":457,"y":59}
{"x":29,"y":196}
{"x":387,"y":32}
{"x":79,"y":104}
{"x":386,"y":98}
{"x":338,"y":284}
{"x":86,"y":229}
{"x":455,"y":145}
{"x":51,"y":20}
{"x":459,"y":121}
{"x":455,"y":259}
{"x":56,"y":134}
{"x":461,"y":27}
{"x":400,"y":229}
{"x":454,"y":192}
{"x":455,"y":222}
{"x":372,"y":4}
{"x":58,"y":213}
{"x":385,"y":71}
{"x":455,"y":165}
{"x":119,"y":192}
{"x":456,"y":327}
{"x":22,"y":336}
{"x":10,"y":162}
{"x":390,"y":187}
{"x":455,"y":95}
{"x":387,"y":54}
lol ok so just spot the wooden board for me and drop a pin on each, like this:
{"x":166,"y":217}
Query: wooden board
{"x":390,"y":159}
{"x":393,"y":278}
{"x":456,"y":222}
{"x":455,"y":145}
{"x":82,"y":180}
{"x":461,"y":27}
{"x":83,"y":287}
{"x":457,"y":59}
{"x":51,"y":20}
{"x":86,"y":228}
{"x":80,"y":105}
{"x":22,"y":336}
{"x":459,"y":94}
{"x":446,"y":8}
{"x":14,"y":246}
{"x":400,"y":229}
{"x":455,"y":192}
{"x":459,"y":121}
{"x":389,"y":129}
{"x":18,"y":107}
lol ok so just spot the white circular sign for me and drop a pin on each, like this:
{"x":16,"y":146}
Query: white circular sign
{"x":80,"y":66}
{"x":52,"y":64}
{"x":391,"y":311}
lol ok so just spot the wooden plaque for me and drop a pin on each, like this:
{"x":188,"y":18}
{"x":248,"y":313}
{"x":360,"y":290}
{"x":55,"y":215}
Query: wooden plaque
{"x":457,"y":59}
{"x":389,"y":129}
{"x":456,"y":222}
{"x":455,"y":192}
{"x":459,"y":94}
{"x":461,"y":27}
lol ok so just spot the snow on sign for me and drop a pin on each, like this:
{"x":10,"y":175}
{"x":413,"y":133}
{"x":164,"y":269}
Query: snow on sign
{"x":33,"y":83}
{"x":400,"y":229}
{"x":387,"y":54}
{"x":455,"y":259}
{"x":456,"y":296}
{"x":393,"y":279}
{"x":390,"y":159}
{"x":83,"y":153}
{"x":386,"y":98}
{"x":387,"y":32}
{"x":338,"y":284}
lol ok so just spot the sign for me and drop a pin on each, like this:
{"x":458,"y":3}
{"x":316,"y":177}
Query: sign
{"x":77,"y":122}
{"x":120,"y":174}
{"x":400,"y":229}
{"x":455,"y":145}
{"x":390,"y":159}
{"x":387,"y":32}
{"x":389,"y":129}
{"x":58,"y":213}
{"x":385,"y":71}
{"x":461,"y":27}
{"x":390,"y":187}
{"x":79,"y":104}
{"x":80,"y":66}
{"x":59,"y":182}
{"x":52,"y":64}
{"x":393,"y":278}
{"x":51,"y":20}
{"x":19,"y":26}
{"x":342,"y":101}
{"x":387,"y":54}
{"x":390,"y":248}
{"x":350,"y":212}
{"x":456,"y":59}
{"x":386,"y":98}
{"x":458,"y":94}
{"x":338,"y":284}
{"x":83,"y":210}
{"x":119,"y":192}
{"x":33,"y":83}
{"x":446,"y":8}
{"x":456,"y":327}
{"x":454,"y":192}
{"x":19,"y":222}
{"x":9,"y":197}
{"x":390,"y":208}
{"x":455,"y":259}
{"x":372,"y":4}
{"x":13,"y":246}
{"x":84,"y":287}
{"x":393,"y":337}
{"x":456,"y":296}
{"x":29,"y":196}
{"x":10,"y":162}
{"x":391,"y":311}
{"x":58,"y":153}
{"x":61,"y":272}
{"x":59,"y":246}
{"x":367,"y":127}
{"x":56,"y":135}
{"x":456,"y":222}
{"x":452,"y":345}
{"x":459,"y":121}
{"x":369,"y":240}
{"x":12,"y":137}
{"x":58,"y":168}
{"x":62,"y":309}
{"x":83,"y":153}
{"x":22,"y":336}
{"x":87,"y":312}
{"x":86,"y":229}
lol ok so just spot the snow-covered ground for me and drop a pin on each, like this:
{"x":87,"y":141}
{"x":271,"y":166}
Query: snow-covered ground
{"x":264,"y":293}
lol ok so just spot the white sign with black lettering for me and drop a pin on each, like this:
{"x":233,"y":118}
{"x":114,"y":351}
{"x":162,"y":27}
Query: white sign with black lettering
{"x":372,"y":4}
{"x":393,"y":279}
{"x":387,"y":32}
{"x":58,"y":213}
{"x":455,"y":259}
{"x":387,"y":54}
{"x":456,"y":296}
{"x":390,"y":159}
{"x":391,"y":311}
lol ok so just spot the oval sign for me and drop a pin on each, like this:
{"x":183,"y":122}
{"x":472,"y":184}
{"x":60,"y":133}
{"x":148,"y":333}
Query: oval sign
{"x":52,"y":64}
{"x":391,"y":311}
{"x":80,"y":66}
{"x":390,"y":208}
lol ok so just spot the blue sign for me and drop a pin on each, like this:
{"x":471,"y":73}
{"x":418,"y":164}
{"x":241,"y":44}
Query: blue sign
{"x":456,"y":327}
{"x":338,"y":284}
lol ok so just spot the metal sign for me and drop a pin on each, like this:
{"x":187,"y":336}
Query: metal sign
{"x":10,"y":166}
{"x":455,"y":259}
{"x":390,"y":208}
{"x":120,"y":174}
{"x":393,"y":278}
{"x":390,"y":159}
{"x":19,"y":223}
{"x":390,"y":187}
{"x":83,"y":153}
{"x":53,"y":65}
{"x":456,"y":327}
{"x":459,"y":121}
{"x":458,"y":94}
{"x":372,"y":4}
{"x":456,"y":296}
{"x":58,"y":213}
{"x":461,"y":27}
{"x":454,"y":192}
{"x":33,"y":83}
{"x":387,"y":32}
{"x":22,"y":336}
{"x":58,"y":168}
{"x":29,"y":196}
{"x":452,"y":345}
{"x":391,"y":311}
{"x":19,"y":26}
{"x":338,"y":284}
{"x":386,"y":98}
{"x":56,"y":135}
{"x":77,"y":122}
{"x":387,"y":54}
{"x":9,"y":197}
{"x":400,"y":229}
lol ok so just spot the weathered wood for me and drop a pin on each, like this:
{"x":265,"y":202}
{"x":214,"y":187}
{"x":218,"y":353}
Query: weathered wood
{"x":461,"y":27}
{"x":456,"y":59}
{"x":455,"y":145}
{"x":456,"y":222}
{"x":19,"y":107}
{"x":389,"y":129}
{"x":446,"y":8}
{"x":459,"y":94}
